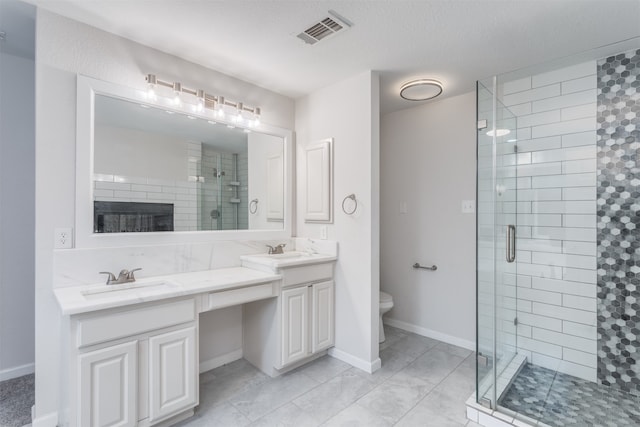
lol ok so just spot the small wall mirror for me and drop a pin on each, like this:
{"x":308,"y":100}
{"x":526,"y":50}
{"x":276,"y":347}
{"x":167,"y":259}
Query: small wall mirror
{"x":155,"y":170}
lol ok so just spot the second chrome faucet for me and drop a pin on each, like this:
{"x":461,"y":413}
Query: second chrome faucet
{"x":277,"y":250}
{"x":125,"y":276}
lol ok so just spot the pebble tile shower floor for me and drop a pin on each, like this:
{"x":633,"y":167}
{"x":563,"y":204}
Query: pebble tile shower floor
{"x":561,"y":400}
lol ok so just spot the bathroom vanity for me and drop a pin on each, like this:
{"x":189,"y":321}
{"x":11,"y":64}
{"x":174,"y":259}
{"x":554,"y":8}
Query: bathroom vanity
{"x":133,"y":349}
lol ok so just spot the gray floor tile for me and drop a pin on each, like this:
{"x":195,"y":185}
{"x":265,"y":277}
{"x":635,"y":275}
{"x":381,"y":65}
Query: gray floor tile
{"x":445,"y":406}
{"x":324,"y":368}
{"x":230,"y":380}
{"x":393,"y":398}
{"x":453,"y":349}
{"x":328,"y":399}
{"x":288,"y":415}
{"x":223,"y":414}
{"x":461,"y":382}
{"x":392,"y":362}
{"x":434,"y":365}
{"x":421,"y":416}
{"x":357,"y":416}
{"x":414,"y":345}
{"x":257,"y":401}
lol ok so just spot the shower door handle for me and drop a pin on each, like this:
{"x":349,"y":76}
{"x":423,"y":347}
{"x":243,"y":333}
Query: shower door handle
{"x":511,"y":243}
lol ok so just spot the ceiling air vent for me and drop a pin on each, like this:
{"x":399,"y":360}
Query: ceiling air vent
{"x":326,"y":27}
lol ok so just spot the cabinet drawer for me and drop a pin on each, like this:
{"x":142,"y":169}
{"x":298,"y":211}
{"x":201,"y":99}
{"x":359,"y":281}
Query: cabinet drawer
{"x":120,"y":324}
{"x":307,"y":274}
{"x":231,"y":297}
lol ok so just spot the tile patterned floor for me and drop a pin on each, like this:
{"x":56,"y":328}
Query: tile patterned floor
{"x":422,"y":382}
{"x":561,"y":400}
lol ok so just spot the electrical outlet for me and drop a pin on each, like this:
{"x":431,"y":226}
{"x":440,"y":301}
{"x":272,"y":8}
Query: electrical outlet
{"x":468,"y":206}
{"x":63,"y":238}
{"x":403,"y":207}
{"x":323,"y":232}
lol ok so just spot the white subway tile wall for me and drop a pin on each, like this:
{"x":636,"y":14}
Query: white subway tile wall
{"x":554,"y":283}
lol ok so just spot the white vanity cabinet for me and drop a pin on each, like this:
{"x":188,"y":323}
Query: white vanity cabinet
{"x":307,"y":321}
{"x":108,"y":386}
{"x":299,"y":326}
{"x":136,"y":366}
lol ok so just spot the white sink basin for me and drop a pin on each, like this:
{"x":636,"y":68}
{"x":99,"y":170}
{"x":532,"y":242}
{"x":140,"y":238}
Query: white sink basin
{"x":107,"y":291}
{"x":292,"y":254}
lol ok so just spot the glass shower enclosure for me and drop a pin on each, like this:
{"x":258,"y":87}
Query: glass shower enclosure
{"x":558,"y":240}
{"x":497,"y":208}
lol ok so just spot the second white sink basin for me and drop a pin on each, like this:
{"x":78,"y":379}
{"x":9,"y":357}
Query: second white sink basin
{"x":292,"y":254}
{"x":107,"y":291}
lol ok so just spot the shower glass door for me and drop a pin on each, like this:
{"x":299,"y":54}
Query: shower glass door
{"x":497,"y":213}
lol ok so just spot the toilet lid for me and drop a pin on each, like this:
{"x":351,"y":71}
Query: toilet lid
{"x":385,"y":297}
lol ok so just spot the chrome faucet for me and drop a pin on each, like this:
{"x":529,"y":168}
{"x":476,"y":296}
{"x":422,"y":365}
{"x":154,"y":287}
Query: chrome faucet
{"x":277,"y":250}
{"x":125,"y":276}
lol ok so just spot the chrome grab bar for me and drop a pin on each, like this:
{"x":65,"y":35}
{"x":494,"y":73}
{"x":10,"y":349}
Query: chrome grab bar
{"x":511,"y":243}
{"x":432,"y":268}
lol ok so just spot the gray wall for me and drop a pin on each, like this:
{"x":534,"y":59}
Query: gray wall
{"x":17,"y":192}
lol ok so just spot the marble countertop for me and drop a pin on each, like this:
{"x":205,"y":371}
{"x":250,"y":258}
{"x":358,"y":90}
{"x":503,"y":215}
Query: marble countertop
{"x":83,"y":299}
{"x":287,"y":259}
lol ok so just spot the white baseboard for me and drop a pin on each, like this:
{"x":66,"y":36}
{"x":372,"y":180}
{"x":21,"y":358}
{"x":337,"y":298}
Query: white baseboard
{"x":49,"y":420}
{"x":429,"y":333}
{"x":218,"y":361}
{"x":354,"y":361}
{"x":18,"y":371}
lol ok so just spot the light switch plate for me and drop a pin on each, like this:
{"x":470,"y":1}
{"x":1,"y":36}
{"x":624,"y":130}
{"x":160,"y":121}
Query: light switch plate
{"x":403,"y":207}
{"x":468,"y":206}
{"x":323,"y":232}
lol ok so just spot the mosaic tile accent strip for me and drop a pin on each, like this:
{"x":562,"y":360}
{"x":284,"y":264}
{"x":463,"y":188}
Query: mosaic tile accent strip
{"x":560,"y":400}
{"x":618,"y":187}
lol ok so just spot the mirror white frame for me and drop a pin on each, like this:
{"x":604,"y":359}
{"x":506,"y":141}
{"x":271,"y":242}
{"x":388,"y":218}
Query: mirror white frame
{"x":88,"y":88}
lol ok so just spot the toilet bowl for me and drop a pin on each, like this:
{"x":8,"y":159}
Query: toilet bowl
{"x":386,"y":304}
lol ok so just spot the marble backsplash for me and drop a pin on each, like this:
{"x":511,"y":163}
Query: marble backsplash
{"x":76,"y":267}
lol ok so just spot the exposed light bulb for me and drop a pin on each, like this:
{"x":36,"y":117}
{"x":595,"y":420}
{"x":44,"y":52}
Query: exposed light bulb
{"x":151,"y":90}
{"x":200,"y":95}
{"x":177,"y":90}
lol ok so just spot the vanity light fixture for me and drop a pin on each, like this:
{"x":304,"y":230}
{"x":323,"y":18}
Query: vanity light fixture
{"x":421,"y":90}
{"x":240,"y":113}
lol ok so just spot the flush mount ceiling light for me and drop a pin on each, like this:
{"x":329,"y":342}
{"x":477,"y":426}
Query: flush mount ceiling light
{"x":499,"y":132}
{"x":421,"y":90}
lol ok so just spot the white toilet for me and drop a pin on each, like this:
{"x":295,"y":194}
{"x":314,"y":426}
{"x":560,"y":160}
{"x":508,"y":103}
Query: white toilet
{"x":386,"y":304}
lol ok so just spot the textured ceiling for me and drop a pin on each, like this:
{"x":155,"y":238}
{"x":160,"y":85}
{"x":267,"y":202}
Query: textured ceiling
{"x":456,"y":42}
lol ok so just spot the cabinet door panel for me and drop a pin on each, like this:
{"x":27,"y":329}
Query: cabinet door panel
{"x":322,"y":316}
{"x":108,"y":391}
{"x":173,"y":377}
{"x":295,"y":337}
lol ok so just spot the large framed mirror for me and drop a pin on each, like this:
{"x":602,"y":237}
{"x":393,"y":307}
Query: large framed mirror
{"x":149,"y":171}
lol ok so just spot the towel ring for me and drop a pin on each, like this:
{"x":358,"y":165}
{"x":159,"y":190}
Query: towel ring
{"x":352,"y":197}
{"x":253,"y":206}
